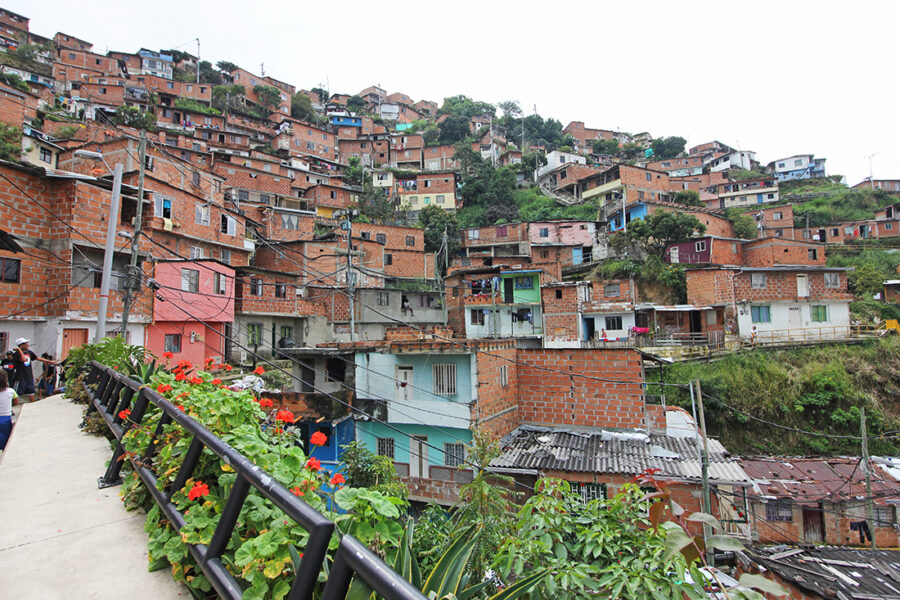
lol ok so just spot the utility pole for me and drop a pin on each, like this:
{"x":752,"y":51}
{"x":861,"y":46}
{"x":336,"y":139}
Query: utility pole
{"x":198,"y":60}
{"x":100,"y":332}
{"x":871,"y":177}
{"x":350,"y":287}
{"x":132,"y":279}
{"x":704,"y":473}
{"x":444,"y":273}
{"x":870,"y":505}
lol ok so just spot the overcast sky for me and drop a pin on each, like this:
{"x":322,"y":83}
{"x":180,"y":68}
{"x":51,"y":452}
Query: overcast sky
{"x":779,"y":78}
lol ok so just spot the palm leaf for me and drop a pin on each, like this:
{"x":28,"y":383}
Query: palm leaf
{"x":448,"y":571}
{"x":521,"y":587}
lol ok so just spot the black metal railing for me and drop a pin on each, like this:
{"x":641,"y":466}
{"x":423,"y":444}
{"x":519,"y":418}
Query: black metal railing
{"x":112,"y":392}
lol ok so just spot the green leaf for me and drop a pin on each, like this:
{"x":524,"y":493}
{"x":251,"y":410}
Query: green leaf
{"x":295,"y":557}
{"x":724,"y":542}
{"x":448,"y":571}
{"x":676,"y":539}
{"x":560,"y":550}
{"x":359,"y":590}
{"x":405,"y":563}
{"x":763,"y":584}
{"x":707,"y":519}
{"x":521,"y":587}
{"x":473,"y":590}
{"x":281,"y":589}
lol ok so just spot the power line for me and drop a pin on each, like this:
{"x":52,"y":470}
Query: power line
{"x":46,"y":302}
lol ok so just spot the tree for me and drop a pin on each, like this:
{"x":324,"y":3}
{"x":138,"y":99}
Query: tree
{"x":131,"y":116}
{"x":376,"y":205}
{"x":431,"y":135}
{"x":688,"y":198}
{"x":363,"y":468}
{"x":268,"y":96}
{"x":225,"y":97}
{"x":354,"y":173}
{"x":605,"y":147}
{"x":454,"y":128}
{"x":867,"y":280}
{"x":745,"y":227}
{"x":321,"y":93}
{"x":662,"y":229}
{"x":532,"y":161}
{"x":543,"y":133}
{"x":302,"y":108}
{"x":435,"y":221}
{"x":10,"y":143}
{"x":355,"y":104}
{"x":208,"y":74}
{"x":668,"y":147}
{"x":464,"y":106}
{"x":226,"y":66}
{"x":510,"y":108}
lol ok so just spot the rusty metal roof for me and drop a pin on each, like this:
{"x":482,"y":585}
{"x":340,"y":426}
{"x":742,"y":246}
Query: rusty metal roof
{"x":612,"y":452}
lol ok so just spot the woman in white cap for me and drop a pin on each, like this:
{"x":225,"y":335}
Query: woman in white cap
{"x":24,"y":358}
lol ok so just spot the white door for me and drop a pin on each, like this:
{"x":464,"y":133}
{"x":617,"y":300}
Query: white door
{"x":673,"y":255}
{"x":418,"y":456}
{"x":802,"y":286}
{"x":794,"y":320}
{"x":404,"y":376}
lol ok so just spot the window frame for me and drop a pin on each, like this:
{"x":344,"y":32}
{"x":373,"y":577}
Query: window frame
{"x":758,"y":281}
{"x":385,"y":446}
{"x":443,"y":379}
{"x":835,"y":282}
{"x":454,"y":454}
{"x":190,"y":280}
{"x":818,"y":313}
{"x":4,"y":262}
{"x":780,"y":510}
{"x":616,"y":319}
{"x":759,"y":310}
{"x":172,"y":343}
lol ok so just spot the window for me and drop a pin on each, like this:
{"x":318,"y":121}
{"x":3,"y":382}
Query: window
{"x":779,"y":510}
{"x":229,"y":225}
{"x":700,"y":246}
{"x":612,"y":290}
{"x":290,"y":222}
{"x":256,"y":287}
{"x":162,"y":207}
{"x":614,"y":323}
{"x":173,"y":342}
{"x":443,"y":377}
{"x":832,"y":280}
{"x":760,"y":314}
{"x":226,"y":256}
{"x":190,"y":280}
{"x":196,"y":252}
{"x":380,"y":238}
{"x":454,"y":454}
{"x":544,"y":232}
{"x":501,"y":231}
{"x":286,"y":332}
{"x":383,"y":299}
{"x":388,"y":259}
{"x":46,"y":155}
{"x":590,"y":491}
{"x":504,"y":375}
{"x":545,"y":254}
{"x":884,"y":516}
{"x":819,"y":313}
{"x":201,"y":214}
{"x":385,"y":447}
{"x":558,"y":294}
{"x":410,"y":240}
{"x":413,"y":199}
{"x":813,"y":253}
{"x":10,"y":269}
{"x":280,"y":290}
{"x":835,"y":232}
{"x":427,"y":199}
{"x":649,"y":176}
{"x":219,"y":283}
{"x":798,"y":163}
{"x":758,"y":281}
{"x":524,"y":283}
{"x":243,"y":195}
{"x":476,"y":317}
{"x":336,"y":369}
{"x":474,"y":234}
{"x":195,"y":178}
{"x":366,"y":235}
{"x":888,"y":226}
{"x":777,"y":216}
{"x":439,"y":199}
{"x":254,"y":333}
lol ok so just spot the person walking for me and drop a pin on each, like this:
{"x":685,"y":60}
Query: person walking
{"x":24,"y":359}
{"x":8,"y":364}
{"x":7,"y":395}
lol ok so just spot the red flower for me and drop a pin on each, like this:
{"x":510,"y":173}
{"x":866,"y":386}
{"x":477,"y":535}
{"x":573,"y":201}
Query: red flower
{"x":163,"y":388}
{"x":217,"y":381}
{"x":318,"y":439}
{"x":181,"y":407}
{"x":168,"y":355}
{"x":209,"y":360}
{"x":200,"y":489}
{"x":284,"y":415}
{"x":228,"y":367}
{"x":195,"y":380}
{"x":338,"y":479}
{"x":180,"y":376}
{"x":313,"y":464}
{"x":185,"y":364}
{"x":183,"y":395}
{"x":116,"y":367}
{"x":297,"y":491}
{"x":266,"y":403}
{"x":259,"y":371}
{"x":124,"y":414}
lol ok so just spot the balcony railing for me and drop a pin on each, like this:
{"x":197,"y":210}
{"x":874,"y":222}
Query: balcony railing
{"x":112,"y":392}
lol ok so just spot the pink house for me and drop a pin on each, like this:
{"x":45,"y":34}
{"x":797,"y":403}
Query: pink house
{"x":195,"y":302}
{"x":580,"y":235}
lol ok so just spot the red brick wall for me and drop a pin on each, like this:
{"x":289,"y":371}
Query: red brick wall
{"x":708,"y":286}
{"x":415,"y":264}
{"x":553,"y":397}
{"x":560,"y":314}
{"x":395,"y":237}
{"x":247,"y":302}
{"x":497,"y":410}
{"x":515,"y":232}
{"x":783,"y":286}
{"x":17,"y":107}
{"x":768,"y":252}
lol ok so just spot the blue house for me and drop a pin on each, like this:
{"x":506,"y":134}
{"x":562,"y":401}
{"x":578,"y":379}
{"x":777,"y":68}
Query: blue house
{"x":637,"y":210}
{"x":346,"y":121}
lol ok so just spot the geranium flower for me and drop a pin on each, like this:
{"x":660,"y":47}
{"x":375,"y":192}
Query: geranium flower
{"x":338,"y":479}
{"x":163,"y":388}
{"x":181,"y":407}
{"x":284,"y":415}
{"x":199,"y":490}
{"x":185,"y":364}
{"x":297,"y":491}
{"x":266,"y":403}
{"x":124,"y":414}
{"x":180,"y":376}
{"x":209,"y":360}
{"x":313,"y":464}
{"x":195,"y":380}
{"x":228,"y":367}
{"x":258,"y":371}
{"x":168,"y":355}
{"x":318,"y":439}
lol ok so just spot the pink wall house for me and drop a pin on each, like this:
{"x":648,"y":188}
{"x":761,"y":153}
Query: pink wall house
{"x":569,"y":233}
{"x":191,"y":291}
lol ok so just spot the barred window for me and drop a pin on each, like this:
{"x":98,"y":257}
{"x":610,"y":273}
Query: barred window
{"x":444,"y":378}
{"x":779,"y":510}
{"x":385,"y":447}
{"x":757,"y":280}
{"x":884,"y":516}
{"x":504,"y":375}
{"x":454,"y":454}
{"x":590,"y":491}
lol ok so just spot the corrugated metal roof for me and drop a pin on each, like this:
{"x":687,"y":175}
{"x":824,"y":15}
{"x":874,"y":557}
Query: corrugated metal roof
{"x":544,"y":449}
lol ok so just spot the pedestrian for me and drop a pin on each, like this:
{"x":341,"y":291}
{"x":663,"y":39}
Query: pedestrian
{"x":753,"y":337}
{"x":49,"y":381}
{"x":8,"y":364}
{"x":24,"y":374}
{"x":7,"y":395}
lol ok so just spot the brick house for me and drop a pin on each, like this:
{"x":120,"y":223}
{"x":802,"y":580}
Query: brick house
{"x":583,"y":136}
{"x":438,"y":188}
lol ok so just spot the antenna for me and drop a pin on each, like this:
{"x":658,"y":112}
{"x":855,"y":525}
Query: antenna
{"x":262,"y":69}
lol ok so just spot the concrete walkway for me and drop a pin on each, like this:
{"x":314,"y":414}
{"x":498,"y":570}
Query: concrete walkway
{"x":60,"y":536}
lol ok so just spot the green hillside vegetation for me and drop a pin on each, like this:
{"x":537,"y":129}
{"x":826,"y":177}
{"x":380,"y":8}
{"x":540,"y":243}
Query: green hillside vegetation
{"x":817,"y":389}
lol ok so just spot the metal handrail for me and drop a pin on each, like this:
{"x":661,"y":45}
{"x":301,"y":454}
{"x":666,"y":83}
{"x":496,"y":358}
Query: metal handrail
{"x":116,"y":392}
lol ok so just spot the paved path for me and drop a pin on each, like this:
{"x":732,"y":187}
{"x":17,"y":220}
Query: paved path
{"x":60,"y":536}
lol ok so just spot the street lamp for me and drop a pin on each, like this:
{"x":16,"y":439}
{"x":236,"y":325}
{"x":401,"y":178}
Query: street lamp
{"x":871,"y":179}
{"x":110,"y":240}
